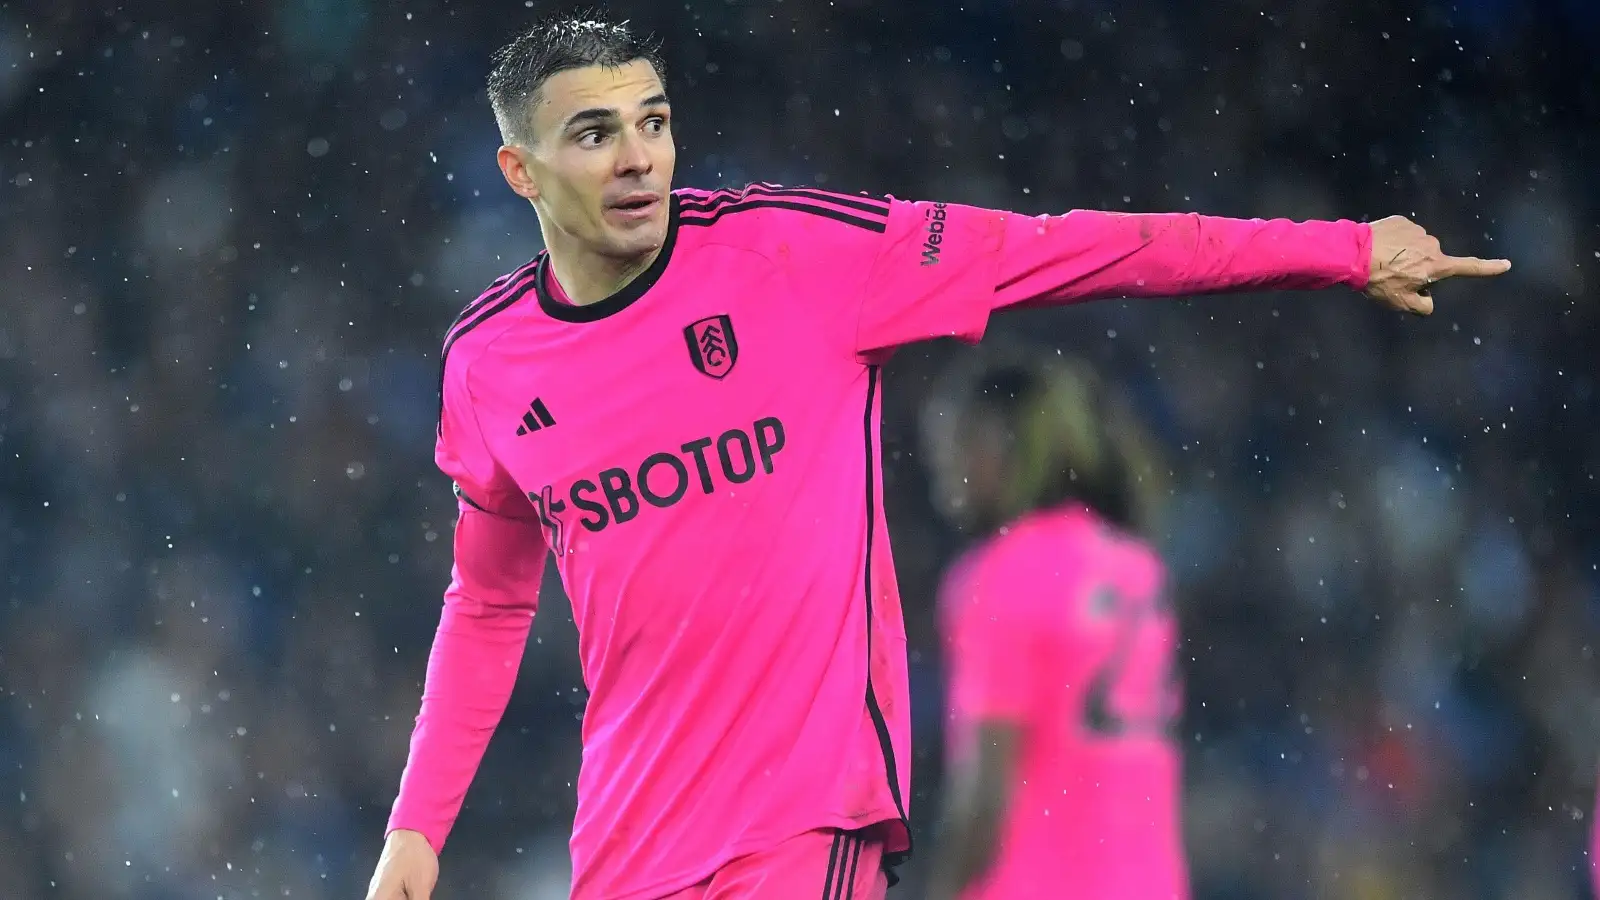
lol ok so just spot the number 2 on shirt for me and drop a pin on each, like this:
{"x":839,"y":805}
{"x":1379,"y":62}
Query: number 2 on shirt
{"x":1134,"y":691}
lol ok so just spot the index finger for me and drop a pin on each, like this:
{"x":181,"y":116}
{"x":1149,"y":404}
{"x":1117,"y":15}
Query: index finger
{"x":1472,"y":267}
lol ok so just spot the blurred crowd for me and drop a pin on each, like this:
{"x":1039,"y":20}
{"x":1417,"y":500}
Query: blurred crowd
{"x":232,"y":235}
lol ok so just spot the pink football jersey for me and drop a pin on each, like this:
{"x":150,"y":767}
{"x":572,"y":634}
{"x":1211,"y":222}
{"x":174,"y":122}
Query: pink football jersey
{"x":1062,"y":627}
{"x":700,"y":454}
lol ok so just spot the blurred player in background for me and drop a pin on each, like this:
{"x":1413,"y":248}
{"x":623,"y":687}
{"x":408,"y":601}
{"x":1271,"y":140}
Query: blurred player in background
{"x":680,"y":400}
{"x":1060,"y":640}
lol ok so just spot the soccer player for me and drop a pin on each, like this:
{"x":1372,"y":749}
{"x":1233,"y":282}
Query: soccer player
{"x":679,"y":399}
{"x":1060,"y":641}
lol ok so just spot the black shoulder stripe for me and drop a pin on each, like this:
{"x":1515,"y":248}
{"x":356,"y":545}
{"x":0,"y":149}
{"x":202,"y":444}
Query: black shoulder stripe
{"x":879,"y":202}
{"x":508,"y":282}
{"x":873,"y":206}
{"x":715,"y":198}
{"x":506,"y":300}
{"x":493,"y":291}
{"x":709,"y":216}
{"x":484,"y":316}
{"x":859,"y":202}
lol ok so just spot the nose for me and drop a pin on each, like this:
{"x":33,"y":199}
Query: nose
{"x":633,"y":158}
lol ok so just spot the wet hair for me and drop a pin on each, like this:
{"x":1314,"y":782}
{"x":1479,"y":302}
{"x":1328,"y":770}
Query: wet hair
{"x":1069,"y":435}
{"x":573,"y":41}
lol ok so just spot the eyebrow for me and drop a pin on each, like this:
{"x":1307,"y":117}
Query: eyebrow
{"x":600,"y":114}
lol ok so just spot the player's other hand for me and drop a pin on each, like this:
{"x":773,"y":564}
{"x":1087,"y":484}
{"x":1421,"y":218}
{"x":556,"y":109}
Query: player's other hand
{"x":407,"y":870}
{"x":1407,"y":262}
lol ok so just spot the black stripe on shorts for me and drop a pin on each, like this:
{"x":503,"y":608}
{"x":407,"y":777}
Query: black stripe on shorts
{"x":843,"y":858}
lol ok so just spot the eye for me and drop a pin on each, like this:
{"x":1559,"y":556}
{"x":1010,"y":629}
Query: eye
{"x":591,"y":139}
{"x":655,"y":125}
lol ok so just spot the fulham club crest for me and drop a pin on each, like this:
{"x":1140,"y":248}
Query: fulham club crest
{"x":712,"y":347}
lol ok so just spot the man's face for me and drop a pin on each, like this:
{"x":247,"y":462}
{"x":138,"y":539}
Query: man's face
{"x":600,"y":166}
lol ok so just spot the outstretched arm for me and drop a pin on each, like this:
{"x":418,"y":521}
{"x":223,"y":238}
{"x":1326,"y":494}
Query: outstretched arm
{"x":932,"y":270}
{"x":1087,"y":255}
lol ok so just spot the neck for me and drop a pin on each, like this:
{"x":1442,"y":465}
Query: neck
{"x":587,"y":277}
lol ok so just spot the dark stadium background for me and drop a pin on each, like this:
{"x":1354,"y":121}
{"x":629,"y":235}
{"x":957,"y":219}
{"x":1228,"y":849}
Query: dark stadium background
{"x":232,"y":234}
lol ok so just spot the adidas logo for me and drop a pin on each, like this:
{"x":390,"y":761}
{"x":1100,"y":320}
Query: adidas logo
{"x":535,"y":418}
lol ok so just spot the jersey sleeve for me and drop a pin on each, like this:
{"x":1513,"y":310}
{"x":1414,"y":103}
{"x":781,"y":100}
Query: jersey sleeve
{"x":1090,"y":255}
{"x":912,"y":271}
{"x":464,"y":456}
{"x":930,"y":274}
{"x":483,"y":629}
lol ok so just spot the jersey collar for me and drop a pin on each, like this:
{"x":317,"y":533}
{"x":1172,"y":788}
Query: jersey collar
{"x":621,"y":300}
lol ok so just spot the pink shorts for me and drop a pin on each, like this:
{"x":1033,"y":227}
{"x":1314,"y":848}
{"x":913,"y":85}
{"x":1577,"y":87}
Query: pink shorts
{"x":839,"y":865}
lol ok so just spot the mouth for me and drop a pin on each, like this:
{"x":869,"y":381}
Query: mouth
{"x":635,"y":206}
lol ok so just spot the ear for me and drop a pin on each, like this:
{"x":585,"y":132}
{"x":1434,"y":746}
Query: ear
{"x":513,"y":162}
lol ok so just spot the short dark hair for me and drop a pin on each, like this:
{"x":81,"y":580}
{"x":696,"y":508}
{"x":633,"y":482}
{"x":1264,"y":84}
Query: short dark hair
{"x":572,"y":41}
